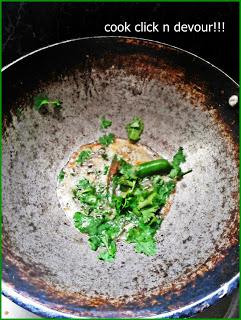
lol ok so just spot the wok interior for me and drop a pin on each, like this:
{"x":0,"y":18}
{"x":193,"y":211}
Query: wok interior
{"x":36,"y":146}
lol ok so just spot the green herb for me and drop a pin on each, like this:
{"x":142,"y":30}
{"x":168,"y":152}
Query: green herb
{"x":143,"y":237}
{"x":135,"y":129}
{"x":105,"y":123}
{"x":83,"y":156}
{"x":107,"y":139}
{"x":129,"y":206}
{"x":41,"y":101}
{"x":86,"y":224}
{"x":106,"y":168}
{"x":84,"y":184}
{"x":61,"y":175}
{"x":102,"y":234}
{"x":178,"y":159}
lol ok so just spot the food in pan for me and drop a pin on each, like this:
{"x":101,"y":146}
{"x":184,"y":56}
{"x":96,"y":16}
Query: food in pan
{"x":115,"y":189}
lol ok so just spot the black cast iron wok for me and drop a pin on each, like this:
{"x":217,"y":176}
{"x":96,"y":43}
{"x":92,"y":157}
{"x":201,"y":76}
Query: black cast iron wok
{"x":48,"y":267}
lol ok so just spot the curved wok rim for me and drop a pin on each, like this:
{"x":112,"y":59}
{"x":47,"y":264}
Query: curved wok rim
{"x":188,"y":310}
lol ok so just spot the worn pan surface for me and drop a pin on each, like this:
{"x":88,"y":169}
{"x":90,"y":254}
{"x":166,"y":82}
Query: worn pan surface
{"x":48,"y":267}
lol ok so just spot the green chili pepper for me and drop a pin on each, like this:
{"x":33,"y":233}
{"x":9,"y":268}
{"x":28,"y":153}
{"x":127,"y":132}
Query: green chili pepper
{"x":151,"y":167}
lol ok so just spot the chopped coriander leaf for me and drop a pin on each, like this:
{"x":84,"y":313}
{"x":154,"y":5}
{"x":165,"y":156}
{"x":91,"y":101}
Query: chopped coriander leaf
{"x":84,"y":184}
{"x":143,"y":238}
{"x":101,"y":234}
{"x":41,"y":101}
{"x":109,"y":253}
{"x":135,"y":129}
{"x":90,"y":199}
{"x":107,"y":139}
{"x":83,"y":156}
{"x":86,"y":224}
{"x":61,"y":175}
{"x":106,"y":168}
{"x":105,"y":123}
{"x":178,"y":158}
{"x":84,"y":191}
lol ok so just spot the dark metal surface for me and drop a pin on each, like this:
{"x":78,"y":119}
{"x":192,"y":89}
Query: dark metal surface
{"x":227,"y":307}
{"x":183,"y":101}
